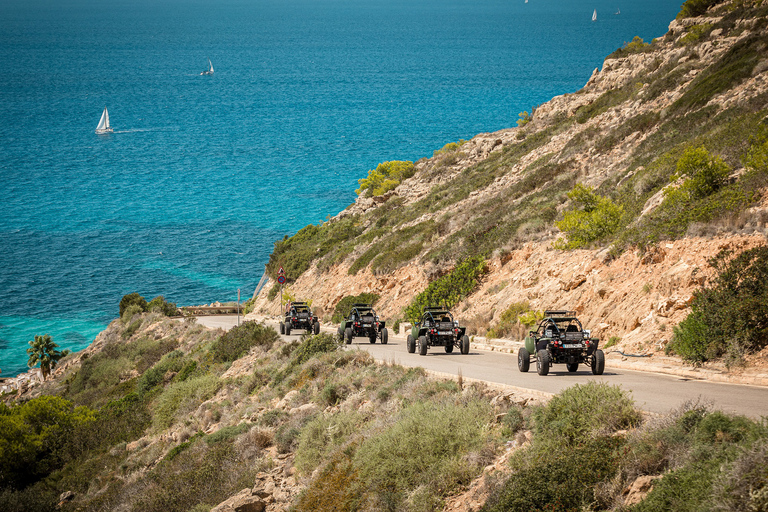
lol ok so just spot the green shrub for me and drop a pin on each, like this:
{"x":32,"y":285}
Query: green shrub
{"x":512,"y":422}
{"x":729,"y":315}
{"x":756,"y":158}
{"x":595,"y":219}
{"x":119,"y":421}
{"x":286,"y":437}
{"x":335,"y":488}
{"x":344,"y":306}
{"x":385,"y":177}
{"x":227,"y":433}
{"x":97,"y":376}
{"x":35,"y":498}
{"x":449,"y":148}
{"x":312,"y":345}
{"x":160,"y":305}
{"x":744,"y":485}
{"x":321,"y":436}
{"x":449,"y":289}
{"x":132,"y":299}
{"x":585,"y":410}
{"x":130,"y":312}
{"x":195,"y":476}
{"x":523,"y":118}
{"x":172,"y":362}
{"x":704,"y":174}
{"x":182,"y":397}
{"x":696,"y":33}
{"x":236,"y":342}
{"x":557,"y":480}
{"x":613,"y":340}
{"x":425,"y":447}
{"x":509,"y":319}
{"x":32,"y":436}
{"x":686,"y":489}
{"x":693,"y":8}
{"x":132,"y":328}
{"x":704,"y":457}
{"x":637,"y":45}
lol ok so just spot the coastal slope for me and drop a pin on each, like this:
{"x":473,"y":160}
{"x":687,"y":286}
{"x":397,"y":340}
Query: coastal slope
{"x":701,"y":89}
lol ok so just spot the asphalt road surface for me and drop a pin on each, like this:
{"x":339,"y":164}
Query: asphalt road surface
{"x":653,"y":392}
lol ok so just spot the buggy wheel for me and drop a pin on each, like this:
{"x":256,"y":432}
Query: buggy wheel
{"x":384,"y":336}
{"x":410,"y":344}
{"x":449,"y":347}
{"x":348,"y":335}
{"x":465,"y":344}
{"x":523,"y":360}
{"x":316,"y":328}
{"x":282,"y":328}
{"x":598,"y":362}
{"x":287,"y":328}
{"x":422,"y":345}
{"x":542,"y":362}
{"x":372,"y":337}
{"x":572,"y":367}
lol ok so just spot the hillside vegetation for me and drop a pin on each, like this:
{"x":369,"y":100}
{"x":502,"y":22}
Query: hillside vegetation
{"x":170,"y":416}
{"x":667,"y":142}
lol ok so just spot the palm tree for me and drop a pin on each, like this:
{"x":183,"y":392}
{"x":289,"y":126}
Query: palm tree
{"x":43,"y":351}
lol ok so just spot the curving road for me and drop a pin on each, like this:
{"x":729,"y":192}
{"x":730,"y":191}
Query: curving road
{"x":652,"y":392}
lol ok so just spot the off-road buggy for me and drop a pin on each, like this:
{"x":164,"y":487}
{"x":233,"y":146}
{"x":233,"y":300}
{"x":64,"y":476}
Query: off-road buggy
{"x":437,"y":328}
{"x":559,"y":339}
{"x":299,"y":316}
{"x":363,"y":322}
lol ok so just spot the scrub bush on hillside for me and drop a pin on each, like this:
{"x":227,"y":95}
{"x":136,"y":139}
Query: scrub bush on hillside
{"x":596,"y":218}
{"x":574,"y":449}
{"x":729,"y":315}
{"x":385,"y":177}
{"x":236,"y":342}
{"x":450,"y":289}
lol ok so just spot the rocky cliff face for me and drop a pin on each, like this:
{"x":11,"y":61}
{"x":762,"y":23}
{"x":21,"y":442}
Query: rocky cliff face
{"x":604,"y":135}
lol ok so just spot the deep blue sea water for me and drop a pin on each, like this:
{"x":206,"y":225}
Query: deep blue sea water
{"x":204,"y":173}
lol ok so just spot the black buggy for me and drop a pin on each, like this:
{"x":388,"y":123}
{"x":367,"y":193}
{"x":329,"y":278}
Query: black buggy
{"x":299,"y":316}
{"x":437,"y":328}
{"x":560,"y":339}
{"x":363,"y":322}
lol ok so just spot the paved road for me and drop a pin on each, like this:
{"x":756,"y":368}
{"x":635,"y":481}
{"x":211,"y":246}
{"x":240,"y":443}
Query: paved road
{"x":658,"y":393}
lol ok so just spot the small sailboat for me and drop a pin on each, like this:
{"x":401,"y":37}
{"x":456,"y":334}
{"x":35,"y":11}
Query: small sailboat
{"x":104,"y":126}
{"x":208,"y":71}
{"x":594,"y":15}
{"x":618,"y":11}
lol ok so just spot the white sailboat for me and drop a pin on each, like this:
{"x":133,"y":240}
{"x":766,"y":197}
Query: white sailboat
{"x":208,"y":71}
{"x":104,"y":126}
{"x":594,"y":15}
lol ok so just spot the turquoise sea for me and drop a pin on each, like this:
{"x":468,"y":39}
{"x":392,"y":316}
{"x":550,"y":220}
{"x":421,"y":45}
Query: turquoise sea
{"x":203,"y":173}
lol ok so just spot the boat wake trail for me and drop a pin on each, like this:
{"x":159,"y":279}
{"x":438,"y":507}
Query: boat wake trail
{"x":161,"y":129}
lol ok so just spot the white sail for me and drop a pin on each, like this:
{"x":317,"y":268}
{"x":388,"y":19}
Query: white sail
{"x":594,"y":15}
{"x":208,"y":71}
{"x":103,"y":126}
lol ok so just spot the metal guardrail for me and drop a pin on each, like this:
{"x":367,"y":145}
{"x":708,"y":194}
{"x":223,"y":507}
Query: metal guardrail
{"x":211,"y":310}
